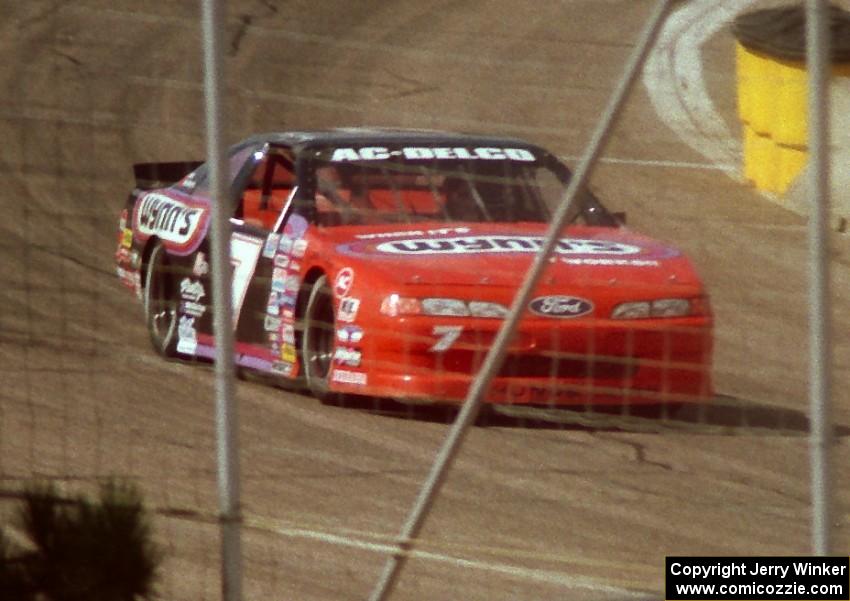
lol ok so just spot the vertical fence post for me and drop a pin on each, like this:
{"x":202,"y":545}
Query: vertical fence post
{"x":820,"y":353}
{"x":496,"y":354}
{"x":226,"y":412}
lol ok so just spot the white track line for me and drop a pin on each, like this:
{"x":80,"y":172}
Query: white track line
{"x":545,"y":576}
{"x":673,"y":76}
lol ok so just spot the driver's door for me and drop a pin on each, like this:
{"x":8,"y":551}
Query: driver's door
{"x":263,"y":287}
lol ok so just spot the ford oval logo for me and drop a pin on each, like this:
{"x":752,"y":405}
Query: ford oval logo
{"x":560,"y":306}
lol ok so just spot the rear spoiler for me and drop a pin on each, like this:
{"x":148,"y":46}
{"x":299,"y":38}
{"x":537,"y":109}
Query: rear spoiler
{"x":159,"y":175}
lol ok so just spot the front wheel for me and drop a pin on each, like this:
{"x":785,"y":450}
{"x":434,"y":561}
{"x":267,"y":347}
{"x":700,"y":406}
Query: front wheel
{"x":318,"y":340}
{"x":161,"y":302}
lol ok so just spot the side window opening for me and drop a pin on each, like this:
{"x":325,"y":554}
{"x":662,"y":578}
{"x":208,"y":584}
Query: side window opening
{"x":586,"y":209}
{"x":267,"y":191}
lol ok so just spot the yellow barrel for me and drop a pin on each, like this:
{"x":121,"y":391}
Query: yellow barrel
{"x":744,"y":67}
{"x":777,"y":105}
{"x":761,"y":161}
{"x":790,"y":163}
{"x":757,"y":83}
{"x":773,"y":89}
{"x":750,"y":154}
{"x":791,"y":94}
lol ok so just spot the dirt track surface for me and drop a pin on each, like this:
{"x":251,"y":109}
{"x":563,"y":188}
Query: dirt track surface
{"x":539,"y":510}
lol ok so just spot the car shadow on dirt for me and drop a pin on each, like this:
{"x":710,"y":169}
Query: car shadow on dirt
{"x":723,"y":415}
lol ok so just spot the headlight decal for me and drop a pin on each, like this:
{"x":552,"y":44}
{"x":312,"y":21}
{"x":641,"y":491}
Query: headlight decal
{"x":662,"y":307}
{"x":395,"y":305}
{"x":445,"y":307}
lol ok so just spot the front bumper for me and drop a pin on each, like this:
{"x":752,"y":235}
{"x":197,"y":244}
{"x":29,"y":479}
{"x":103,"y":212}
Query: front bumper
{"x":549,"y":362}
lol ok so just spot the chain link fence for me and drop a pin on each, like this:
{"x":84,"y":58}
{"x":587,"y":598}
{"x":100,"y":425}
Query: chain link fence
{"x":543,"y":500}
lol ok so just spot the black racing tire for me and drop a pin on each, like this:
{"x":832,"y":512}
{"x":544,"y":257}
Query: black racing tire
{"x":161,"y":302}
{"x":318,"y":341}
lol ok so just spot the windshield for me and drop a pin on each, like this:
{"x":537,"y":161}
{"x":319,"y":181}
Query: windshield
{"x":379,"y":185}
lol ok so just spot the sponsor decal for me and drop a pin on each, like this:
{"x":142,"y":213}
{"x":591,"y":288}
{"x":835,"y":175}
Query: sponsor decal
{"x":191,"y":290}
{"x":344,"y":280}
{"x":193,"y":309}
{"x":122,"y":222}
{"x":614,"y":262}
{"x":292,"y":283}
{"x":279,"y":280}
{"x":349,"y":334}
{"x":167,"y":218}
{"x":271,"y":323}
{"x":502,"y":244}
{"x":285,"y":244}
{"x":127,"y":238}
{"x":201,"y":267}
{"x":187,"y":335}
{"x":348,"y":308}
{"x":287,"y":353}
{"x":135,"y":259}
{"x":281,"y":261}
{"x":287,"y":300}
{"x":273,"y":310}
{"x":560,"y":306}
{"x":187,"y":346}
{"x":281,"y":297}
{"x":349,"y":377}
{"x":381,"y":153}
{"x":348,"y":357}
{"x":299,"y":247}
{"x":288,"y":333}
{"x":271,"y":245}
{"x":274,"y":337}
{"x":441,"y":231}
{"x":294,"y":266}
{"x":130,"y":279}
{"x":287,"y":313}
{"x":282,"y":368}
{"x":122,"y":255}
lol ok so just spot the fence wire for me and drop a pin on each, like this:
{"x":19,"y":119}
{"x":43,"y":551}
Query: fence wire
{"x":546,"y":499}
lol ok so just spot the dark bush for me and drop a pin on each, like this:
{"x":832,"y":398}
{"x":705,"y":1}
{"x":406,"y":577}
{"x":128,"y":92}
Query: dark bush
{"x":79,"y":549}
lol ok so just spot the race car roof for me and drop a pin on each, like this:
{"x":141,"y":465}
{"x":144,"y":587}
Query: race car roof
{"x":376,"y":135}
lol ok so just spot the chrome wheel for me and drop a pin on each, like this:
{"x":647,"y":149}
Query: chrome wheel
{"x":318,"y":341}
{"x":161,"y":302}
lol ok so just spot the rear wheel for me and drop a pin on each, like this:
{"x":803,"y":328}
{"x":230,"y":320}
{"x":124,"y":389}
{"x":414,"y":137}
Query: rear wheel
{"x":161,"y":302}
{"x":318,"y":340}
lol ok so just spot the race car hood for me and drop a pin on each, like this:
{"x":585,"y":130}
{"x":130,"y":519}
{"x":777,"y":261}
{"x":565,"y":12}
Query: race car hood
{"x":501,"y":254}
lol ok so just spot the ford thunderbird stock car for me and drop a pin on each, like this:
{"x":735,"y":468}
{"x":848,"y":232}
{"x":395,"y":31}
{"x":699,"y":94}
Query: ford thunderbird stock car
{"x":382,"y":263}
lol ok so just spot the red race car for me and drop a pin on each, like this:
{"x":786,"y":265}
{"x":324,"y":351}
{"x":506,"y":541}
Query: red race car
{"x":382,"y":262}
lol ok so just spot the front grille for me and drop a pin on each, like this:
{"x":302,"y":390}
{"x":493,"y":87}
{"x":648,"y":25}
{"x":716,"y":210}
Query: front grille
{"x":538,"y":366}
{"x":518,"y":365}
